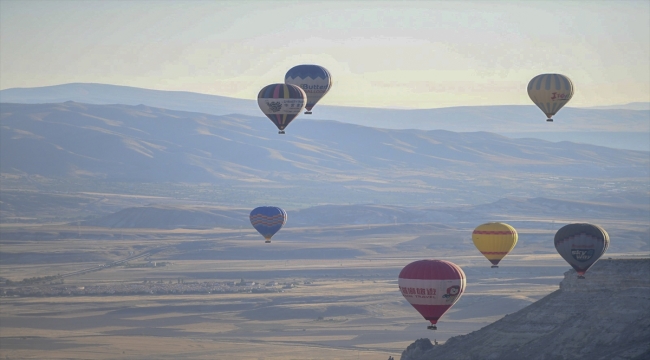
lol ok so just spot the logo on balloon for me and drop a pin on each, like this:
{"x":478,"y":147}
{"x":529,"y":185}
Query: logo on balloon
{"x":275,"y":106}
{"x":582,"y":254}
{"x":314,"y":88}
{"x":452,"y":291}
{"x":557,"y":96}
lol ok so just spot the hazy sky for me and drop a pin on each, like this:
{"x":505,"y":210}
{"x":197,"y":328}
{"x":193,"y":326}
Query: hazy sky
{"x":418,"y":54}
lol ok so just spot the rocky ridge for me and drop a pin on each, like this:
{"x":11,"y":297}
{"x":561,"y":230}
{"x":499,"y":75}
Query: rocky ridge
{"x":605,"y":316}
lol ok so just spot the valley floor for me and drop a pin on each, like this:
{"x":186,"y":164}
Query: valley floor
{"x":326,"y":292}
{"x":339,"y":309}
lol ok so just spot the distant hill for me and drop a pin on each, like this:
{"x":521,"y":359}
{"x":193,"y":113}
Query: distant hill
{"x":628,"y":106}
{"x":104,"y":94}
{"x":203,"y":216}
{"x":603,"y":317}
{"x":121,"y":143}
{"x":150,"y":144}
{"x":173,"y":217}
{"x":626,"y":127}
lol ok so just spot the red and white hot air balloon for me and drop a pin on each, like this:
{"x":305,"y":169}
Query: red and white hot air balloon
{"x":432,"y":287}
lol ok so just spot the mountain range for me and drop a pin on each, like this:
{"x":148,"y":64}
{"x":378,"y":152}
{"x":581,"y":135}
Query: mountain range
{"x":316,"y":161}
{"x":626,"y":126}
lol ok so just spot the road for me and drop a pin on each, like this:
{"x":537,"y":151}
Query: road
{"x":118,"y":262}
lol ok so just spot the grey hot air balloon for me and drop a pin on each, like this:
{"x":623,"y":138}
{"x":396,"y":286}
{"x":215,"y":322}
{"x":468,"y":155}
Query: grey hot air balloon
{"x":581,"y":245}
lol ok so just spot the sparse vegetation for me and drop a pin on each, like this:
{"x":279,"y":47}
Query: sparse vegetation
{"x":35,"y":280}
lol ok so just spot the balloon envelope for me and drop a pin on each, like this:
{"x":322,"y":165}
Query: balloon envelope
{"x":315,"y":80}
{"x":550,"y":92}
{"x":581,"y":245}
{"x":268,"y":220}
{"x":495,"y":240}
{"x":432,"y":286}
{"x":281,"y":103}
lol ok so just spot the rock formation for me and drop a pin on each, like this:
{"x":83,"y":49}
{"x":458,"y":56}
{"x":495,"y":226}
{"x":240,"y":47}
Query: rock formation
{"x":605,"y":316}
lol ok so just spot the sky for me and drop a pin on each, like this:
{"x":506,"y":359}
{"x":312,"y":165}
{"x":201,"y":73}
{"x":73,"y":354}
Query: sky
{"x":396,"y":54}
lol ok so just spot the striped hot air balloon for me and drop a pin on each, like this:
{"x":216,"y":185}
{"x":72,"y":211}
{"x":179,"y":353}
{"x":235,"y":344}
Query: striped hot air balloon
{"x":494,"y":240}
{"x":315,"y":80}
{"x":581,"y":245}
{"x":432,"y":287}
{"x":268,"y":220}
{"x":550,"y":92}
{"x":281,"y":103}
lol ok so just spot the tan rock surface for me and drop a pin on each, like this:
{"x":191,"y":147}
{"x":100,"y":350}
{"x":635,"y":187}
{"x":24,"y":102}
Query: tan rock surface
{"x":605,"y":316}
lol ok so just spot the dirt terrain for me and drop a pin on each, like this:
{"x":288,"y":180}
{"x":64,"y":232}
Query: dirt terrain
{"x":334,"y":293}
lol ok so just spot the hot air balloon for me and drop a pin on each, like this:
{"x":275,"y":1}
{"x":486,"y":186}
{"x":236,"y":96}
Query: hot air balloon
{"x":550,"y":92}
{"x":581,"y":245}
{"x":281,"y":103}
{"x":268,"y":220}
{"x":315,"y":80}
{"x":495,"y":240}
{"x":432,"y":287}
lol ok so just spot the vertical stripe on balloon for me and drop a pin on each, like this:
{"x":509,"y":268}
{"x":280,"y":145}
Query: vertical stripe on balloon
{"x":556,"y":106}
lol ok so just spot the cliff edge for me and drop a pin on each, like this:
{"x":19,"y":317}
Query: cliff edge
{"x":605,"y":316}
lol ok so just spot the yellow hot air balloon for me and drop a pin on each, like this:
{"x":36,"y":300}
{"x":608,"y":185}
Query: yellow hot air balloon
{"x":495,"y":240}
{"x":550,"y":92}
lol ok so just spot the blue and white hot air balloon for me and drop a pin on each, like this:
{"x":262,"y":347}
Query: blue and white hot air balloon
{"x":550,"y":92}
{"x":314,"y":80}
{"x":268,"y":220}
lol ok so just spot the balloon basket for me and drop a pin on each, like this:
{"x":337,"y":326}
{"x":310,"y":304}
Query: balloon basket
{"x":267,"y":241}
{"x":308,"y":112}
{"x":432,"y":327}
{"x":281,"y":132}
{"x":581,"y":277}
{"x":549,"y":120}
{"x":494,"y":266}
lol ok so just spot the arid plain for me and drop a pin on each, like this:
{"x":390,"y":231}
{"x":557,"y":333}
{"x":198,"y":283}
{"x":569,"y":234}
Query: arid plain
{"x":333,"y":294}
